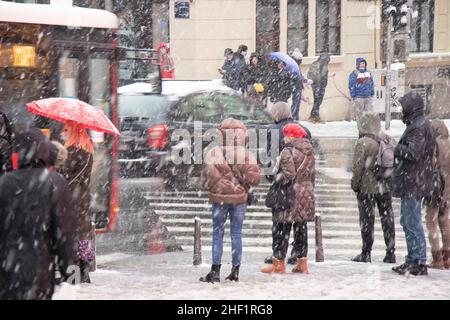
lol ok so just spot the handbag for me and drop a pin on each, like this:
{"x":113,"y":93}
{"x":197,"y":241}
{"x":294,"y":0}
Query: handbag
{"x":251,"y":198}
{"x":281,"y":196}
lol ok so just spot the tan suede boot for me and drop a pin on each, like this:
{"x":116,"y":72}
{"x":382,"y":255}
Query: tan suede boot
{"x":438,"y":261}
{"x":277,"y":266}
{"x":302,"y":266}
{"x":446,"y":258}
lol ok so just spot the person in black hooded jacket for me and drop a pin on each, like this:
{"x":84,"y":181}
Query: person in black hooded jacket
{"x":413,"y":180}
{"x":318,"y":73}
{"x":36,"y":222}
{"x":280,"y":82}
{"x":5,"y":144}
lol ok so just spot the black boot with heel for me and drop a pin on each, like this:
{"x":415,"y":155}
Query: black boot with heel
{"x":213,"y":275}
{"x":234,"y":275}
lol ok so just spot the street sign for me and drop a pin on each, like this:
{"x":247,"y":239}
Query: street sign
{"x":379,"y":100}
{"x":182,"y":9}
{"x":397,"y":85}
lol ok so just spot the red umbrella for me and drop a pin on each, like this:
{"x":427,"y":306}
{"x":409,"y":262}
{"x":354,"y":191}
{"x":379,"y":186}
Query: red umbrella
{"x":73,"y":110}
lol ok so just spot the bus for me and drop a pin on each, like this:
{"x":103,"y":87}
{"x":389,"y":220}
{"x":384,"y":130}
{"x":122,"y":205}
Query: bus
{"x":52,"y":51}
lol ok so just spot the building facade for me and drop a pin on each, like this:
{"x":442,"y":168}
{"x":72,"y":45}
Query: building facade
{"x":200,"y":30}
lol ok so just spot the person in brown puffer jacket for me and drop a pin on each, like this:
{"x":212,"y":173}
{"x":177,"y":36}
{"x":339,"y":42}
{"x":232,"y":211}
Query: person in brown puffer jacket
{"x":438,"y":211}
{"x":230,"y":171}
{"x":297,"y":164}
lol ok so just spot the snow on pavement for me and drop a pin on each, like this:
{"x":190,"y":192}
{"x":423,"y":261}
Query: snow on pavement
{"x":171,"y":276}
{"x":349,"y":129}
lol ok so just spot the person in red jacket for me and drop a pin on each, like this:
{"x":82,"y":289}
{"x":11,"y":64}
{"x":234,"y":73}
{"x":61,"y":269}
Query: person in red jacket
{"x":167,"y":66}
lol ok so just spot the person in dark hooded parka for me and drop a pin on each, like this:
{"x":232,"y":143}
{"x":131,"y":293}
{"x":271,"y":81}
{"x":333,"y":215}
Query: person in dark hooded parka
{"x":5,"y":144}
{"x":36,"y":222}
{"x":413,"y":180}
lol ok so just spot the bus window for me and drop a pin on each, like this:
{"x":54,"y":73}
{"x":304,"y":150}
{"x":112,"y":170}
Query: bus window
{"x":44,"y":61}
{"x":100,"y":92}
{"x":68,"y":70}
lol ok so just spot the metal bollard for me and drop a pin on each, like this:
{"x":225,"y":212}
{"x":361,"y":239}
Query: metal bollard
{"x":198,"y":242}
{"x":319,"y":243}
{"x":93,"y":264}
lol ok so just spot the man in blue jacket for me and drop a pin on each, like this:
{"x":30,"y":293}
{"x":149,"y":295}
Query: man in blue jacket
{"x":361,"y":88}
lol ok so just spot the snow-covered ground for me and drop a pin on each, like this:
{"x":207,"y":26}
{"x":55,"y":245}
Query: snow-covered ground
{"x":349,"y":129}
{"x":171,"y":276}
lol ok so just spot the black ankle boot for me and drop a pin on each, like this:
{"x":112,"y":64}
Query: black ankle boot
{"x":213,"y":275}
{"x":363,"y":257}
{"x":418,"y":269}
{"x":234,"y":275}
{"x":401,"y":269}
{"x":390,"y":257}
{"x":84,"y":270}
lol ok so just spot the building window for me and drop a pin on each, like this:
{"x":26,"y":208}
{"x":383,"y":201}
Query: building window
{"x":422,"y":27}
{"x":267,"y":26}
{"x":328,"y":26}
{"x":297,"y":21}
{"x":425,"y":91}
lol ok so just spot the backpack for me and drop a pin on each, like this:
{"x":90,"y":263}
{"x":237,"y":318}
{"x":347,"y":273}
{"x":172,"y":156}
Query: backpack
{"x":384,"y":166}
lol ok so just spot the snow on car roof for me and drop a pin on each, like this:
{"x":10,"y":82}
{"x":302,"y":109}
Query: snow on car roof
{"x":183,"y":88}
{"x":139,"y":87}
{"x":176,"y":88}
{"x":57,"y":15}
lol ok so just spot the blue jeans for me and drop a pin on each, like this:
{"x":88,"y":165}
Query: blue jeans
{"x":411,"y":221}
{"x":296,"y":100}
{"x":219,"y":218}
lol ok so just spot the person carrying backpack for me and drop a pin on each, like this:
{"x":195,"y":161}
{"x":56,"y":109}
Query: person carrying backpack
{"x":373,"y":164}
{"x":5,"y":144}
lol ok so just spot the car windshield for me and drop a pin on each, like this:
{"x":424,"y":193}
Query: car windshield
{"x":142,"y":106}
{"x":243,"y":109}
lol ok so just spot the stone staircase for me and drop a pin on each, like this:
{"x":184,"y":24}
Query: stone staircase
{"x":335,"y":203}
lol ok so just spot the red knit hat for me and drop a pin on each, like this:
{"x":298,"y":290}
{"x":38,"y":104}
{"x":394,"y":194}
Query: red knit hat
{"x":293,"y":130}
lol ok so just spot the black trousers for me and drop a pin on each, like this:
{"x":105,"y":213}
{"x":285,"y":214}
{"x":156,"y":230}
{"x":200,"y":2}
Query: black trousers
{"x":280,"y":235}
{"x":319,"y":94}
{"x":366,"y":205}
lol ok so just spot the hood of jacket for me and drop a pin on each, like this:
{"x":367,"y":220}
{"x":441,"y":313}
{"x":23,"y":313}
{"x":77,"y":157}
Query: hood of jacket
{"x":358,"y":62}
{"x":280,"y":111}
{"x":235,"y":130}
{"x":413,"y":106}
{"x":35,"y":150}
{"x":370,"y":123}
{"x":441,"y":129}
